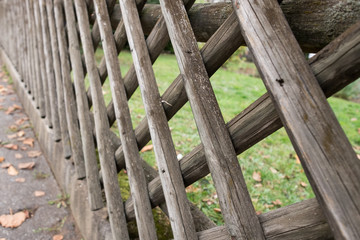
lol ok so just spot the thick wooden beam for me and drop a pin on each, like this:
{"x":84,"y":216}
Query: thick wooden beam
{"x":308,"y":19}
{"x":326,"y":154}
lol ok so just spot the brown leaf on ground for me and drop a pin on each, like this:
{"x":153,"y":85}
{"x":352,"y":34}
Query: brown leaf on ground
{"x":27,"y":165}
{"x":277,"y":202}
{"x":2,"y":159}
{"x":29,"y":141}
{"x":13,"y":221}
{"x":34,"y":154}
{"x":2,"y":238}
{"x":297,"y":159}
{"x":20,"y":180}
{"x":273,"y":170}
{"x":12,"y":171}
{"x":303,"y":184}
{"x":58,"y":237}
{"x":21,"y":121}
{"x":11,"y":146}
{"x":39,"y":193}
{"x":17,"y":107}
{"x":5,"y":165}
{"x":217,"y":210}
{"x":23,"y":148}
{"x":10,"y":110}
{"x":18,"y":156}
{"x":358,"y":155}
{"x":13,"y":128}
{"x":11,"y":136}
{"x":256,"y":176}
{"x":21,"y":133}
{"x":147,"y":148}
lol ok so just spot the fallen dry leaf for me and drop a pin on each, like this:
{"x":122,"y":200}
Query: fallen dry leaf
{"x":217,"y":210}
{"x":273,"y":170}
{"x":23,"y":148}
{"x":256,"y":176}
{"x":11,"y":136}
{"x":277,"y":202}
{"x":21,"y":133}
{"x":2,"y":238}
{"x":18,"y":156}
{"x":353,"y":119}
{"x":33,"y":154}
{"x":58,"y":237}
{"x":303,"y":184}
{"x":20,"y":121}
{"x":12,"y":171}
{"x":5,"y":165}
{"x":29,"y":141}
{"x":13,"y":221}
{"x":20,"y":180}
{"x":39,"y":193}
{"x":11,"y":146}
{"x":147,"y":148}
{"x":297,"y":159}
{"x":17,"y":107}
{"x":358,"y":155}
{"x":10,"y":110}
{"x":2,"y":159}
{"x":13,"y":128}
{"x":258,"y":185}
{"x":27,"y":165}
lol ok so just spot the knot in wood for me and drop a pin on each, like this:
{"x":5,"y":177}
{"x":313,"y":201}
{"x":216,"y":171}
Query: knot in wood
{"x":280,"y":81}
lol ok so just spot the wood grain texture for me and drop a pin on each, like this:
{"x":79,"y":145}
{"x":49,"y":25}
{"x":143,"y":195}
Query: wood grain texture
{"x":237,"y":209}
{"x":137,"y":181}
{"x":318,"y":139}
{"x":87,"y":139}
{"x":53,"y":103}
{"x":106,"y":152}
{"x":70,"y":103}
{"x":169,"y":171}
{"x":64,"y":132}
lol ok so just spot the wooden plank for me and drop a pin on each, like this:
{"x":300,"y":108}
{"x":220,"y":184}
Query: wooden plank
{"x":87,"y":139}
{"x":235,"y":201}
{"x":137,"y":181}
{"x":53,"y":103}
{"x":65,"y":138}
{"x":38,"y":79}
{"x":41,"y":50}
{"x":318,"y":139}
{"x":260,"y":119}
{"x":70,"y":104}
{"x":106,"y":152}
{"x":170,"y":175}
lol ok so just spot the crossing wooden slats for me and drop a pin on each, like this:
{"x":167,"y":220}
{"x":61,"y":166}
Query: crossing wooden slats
{"x":87,"y":139}
{"x":106,"y":152}
{"x":237,"y":209}
{"x":41,"y":49}
{"x":64,"y":132}
{"x":260,"y":119}
{"x":70,"y":104}
{"x":38,"y":79}
{"x":53,"y":103}
{"x":329,"y":161}
{"x":170,"y":175}
{"x":137,"y":181}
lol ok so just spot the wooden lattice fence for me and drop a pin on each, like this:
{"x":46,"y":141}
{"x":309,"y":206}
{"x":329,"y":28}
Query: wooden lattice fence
{"x":52,"y":44}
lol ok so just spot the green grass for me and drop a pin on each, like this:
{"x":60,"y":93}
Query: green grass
{"x":283,"y":181}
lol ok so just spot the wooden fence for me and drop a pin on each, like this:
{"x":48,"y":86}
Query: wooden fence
{"x":52,"y":45}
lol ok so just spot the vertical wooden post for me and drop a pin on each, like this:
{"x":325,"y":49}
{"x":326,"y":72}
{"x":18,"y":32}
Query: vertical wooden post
{"x":326,"y":154}
{"x":106,"y":152}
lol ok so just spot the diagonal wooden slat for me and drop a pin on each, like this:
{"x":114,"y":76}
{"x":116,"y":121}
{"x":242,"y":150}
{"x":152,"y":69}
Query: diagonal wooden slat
{"x":106,"y":151}
{"x":137,"y":181}
{"x":65,"y":138}
{"x":70,"y":104}
{"x":87,"y":139}
{"x":180,"y":217}
{"x":235,"y":201}
{"x":326,"y":154}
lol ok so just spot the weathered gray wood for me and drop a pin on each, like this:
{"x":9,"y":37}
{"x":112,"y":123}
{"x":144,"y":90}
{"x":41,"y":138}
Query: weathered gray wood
{"x":137,"y":181}
{"x":36,"y":36}
{"x":318,"y":139}
{"x":216,"y":233}
{"x":309,"y":20}
{"x":170,"y":175}
{"x":65,"y":138}
{"x":106,"y":152}
{"x":260,"y":119}
{"x":53,"y":103}
{"x":70,"y":104}
{"x":235,"y":201}
{"x":41,"y":50}
{"x":87,"y":139}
